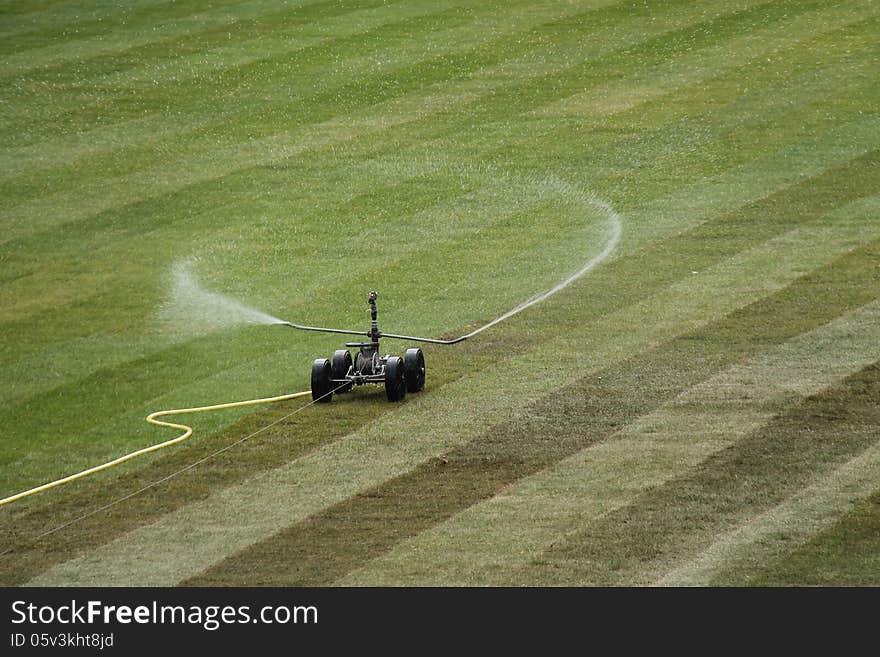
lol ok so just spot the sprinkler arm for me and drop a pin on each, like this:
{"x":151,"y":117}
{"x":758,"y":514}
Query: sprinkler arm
{"x":324,"y":330}
{"x":431,"y":340}
{"x":368,"y":334}
{"x":374,"y":333}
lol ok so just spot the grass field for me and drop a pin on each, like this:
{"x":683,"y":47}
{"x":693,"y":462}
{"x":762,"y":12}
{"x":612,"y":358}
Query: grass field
{"x":701,"y":408}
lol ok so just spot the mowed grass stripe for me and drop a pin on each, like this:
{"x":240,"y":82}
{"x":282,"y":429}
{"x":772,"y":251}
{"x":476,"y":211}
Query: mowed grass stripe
{"x":736,"y":556}
{"x":764,"y":176}
{"x":44,"y":139}
{"x":571,"y":505}
{"x":265,"y":82}
{"x":744,"y":506}
{"x":481,"y":82}
{"x":706,"y":136}
{"x":34,"y":22}
{"x":409,"y":435}
{"x":608,"y":20}
{"x":773,"y":113}
{"x":540,"y":435}
{"x":845,"y":554}
{"x":764,"y":443}
{"x":791,"y":34}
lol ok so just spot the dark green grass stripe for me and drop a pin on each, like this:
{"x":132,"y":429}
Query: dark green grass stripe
{"x":631,"y":167}
{"x":622,"y":283}
{"x":669,"y":261}
{"x":635,"y":157}
{"x":125,"y":386}
{"x":809,"y":438}
{"x":148,"y":216}
{"x":845,"y":554}
{"x":84,"y":167}
{"x":617,"y":64}
{"x":218,"y":134}
{"x":330,"y":544}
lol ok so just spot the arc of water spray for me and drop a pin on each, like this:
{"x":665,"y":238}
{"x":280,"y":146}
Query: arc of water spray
{"x":615,"y":229}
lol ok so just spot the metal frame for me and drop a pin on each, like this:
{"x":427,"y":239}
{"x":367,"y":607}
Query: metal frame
{"x":368,"y":365}
{"x":374,"y":333}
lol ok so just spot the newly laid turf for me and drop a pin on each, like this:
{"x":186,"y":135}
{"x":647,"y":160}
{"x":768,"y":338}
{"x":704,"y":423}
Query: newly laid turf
{"x":699,"y":408}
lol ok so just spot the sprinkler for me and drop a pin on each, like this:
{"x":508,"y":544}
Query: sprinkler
{"x":343,"y":372}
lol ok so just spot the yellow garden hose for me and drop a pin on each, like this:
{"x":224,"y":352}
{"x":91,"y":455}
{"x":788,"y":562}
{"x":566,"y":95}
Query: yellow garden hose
{"x":151,"y":418}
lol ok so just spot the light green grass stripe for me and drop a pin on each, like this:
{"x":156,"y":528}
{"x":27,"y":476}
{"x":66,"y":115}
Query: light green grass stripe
{"x":134,"y":34}
{"x":183,"y":543}
{"x":712,"y":195}
{"x":787,"y":526}
{"x":485,"y":544}
{"x":72,"y":360}
{"x":69,"y":147}
{"x":690,"y":67}
{"x":763,"y":176}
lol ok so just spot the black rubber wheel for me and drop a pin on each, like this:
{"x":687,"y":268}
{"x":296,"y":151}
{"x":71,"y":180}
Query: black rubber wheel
{"x":322,"y":381}
{"x":395,"y":380}
{"x":339,"y":368}
{"x":414,"y":370}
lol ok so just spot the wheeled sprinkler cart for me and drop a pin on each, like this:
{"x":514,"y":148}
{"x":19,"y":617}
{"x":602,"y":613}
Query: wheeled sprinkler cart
{"x":341,"y":373}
